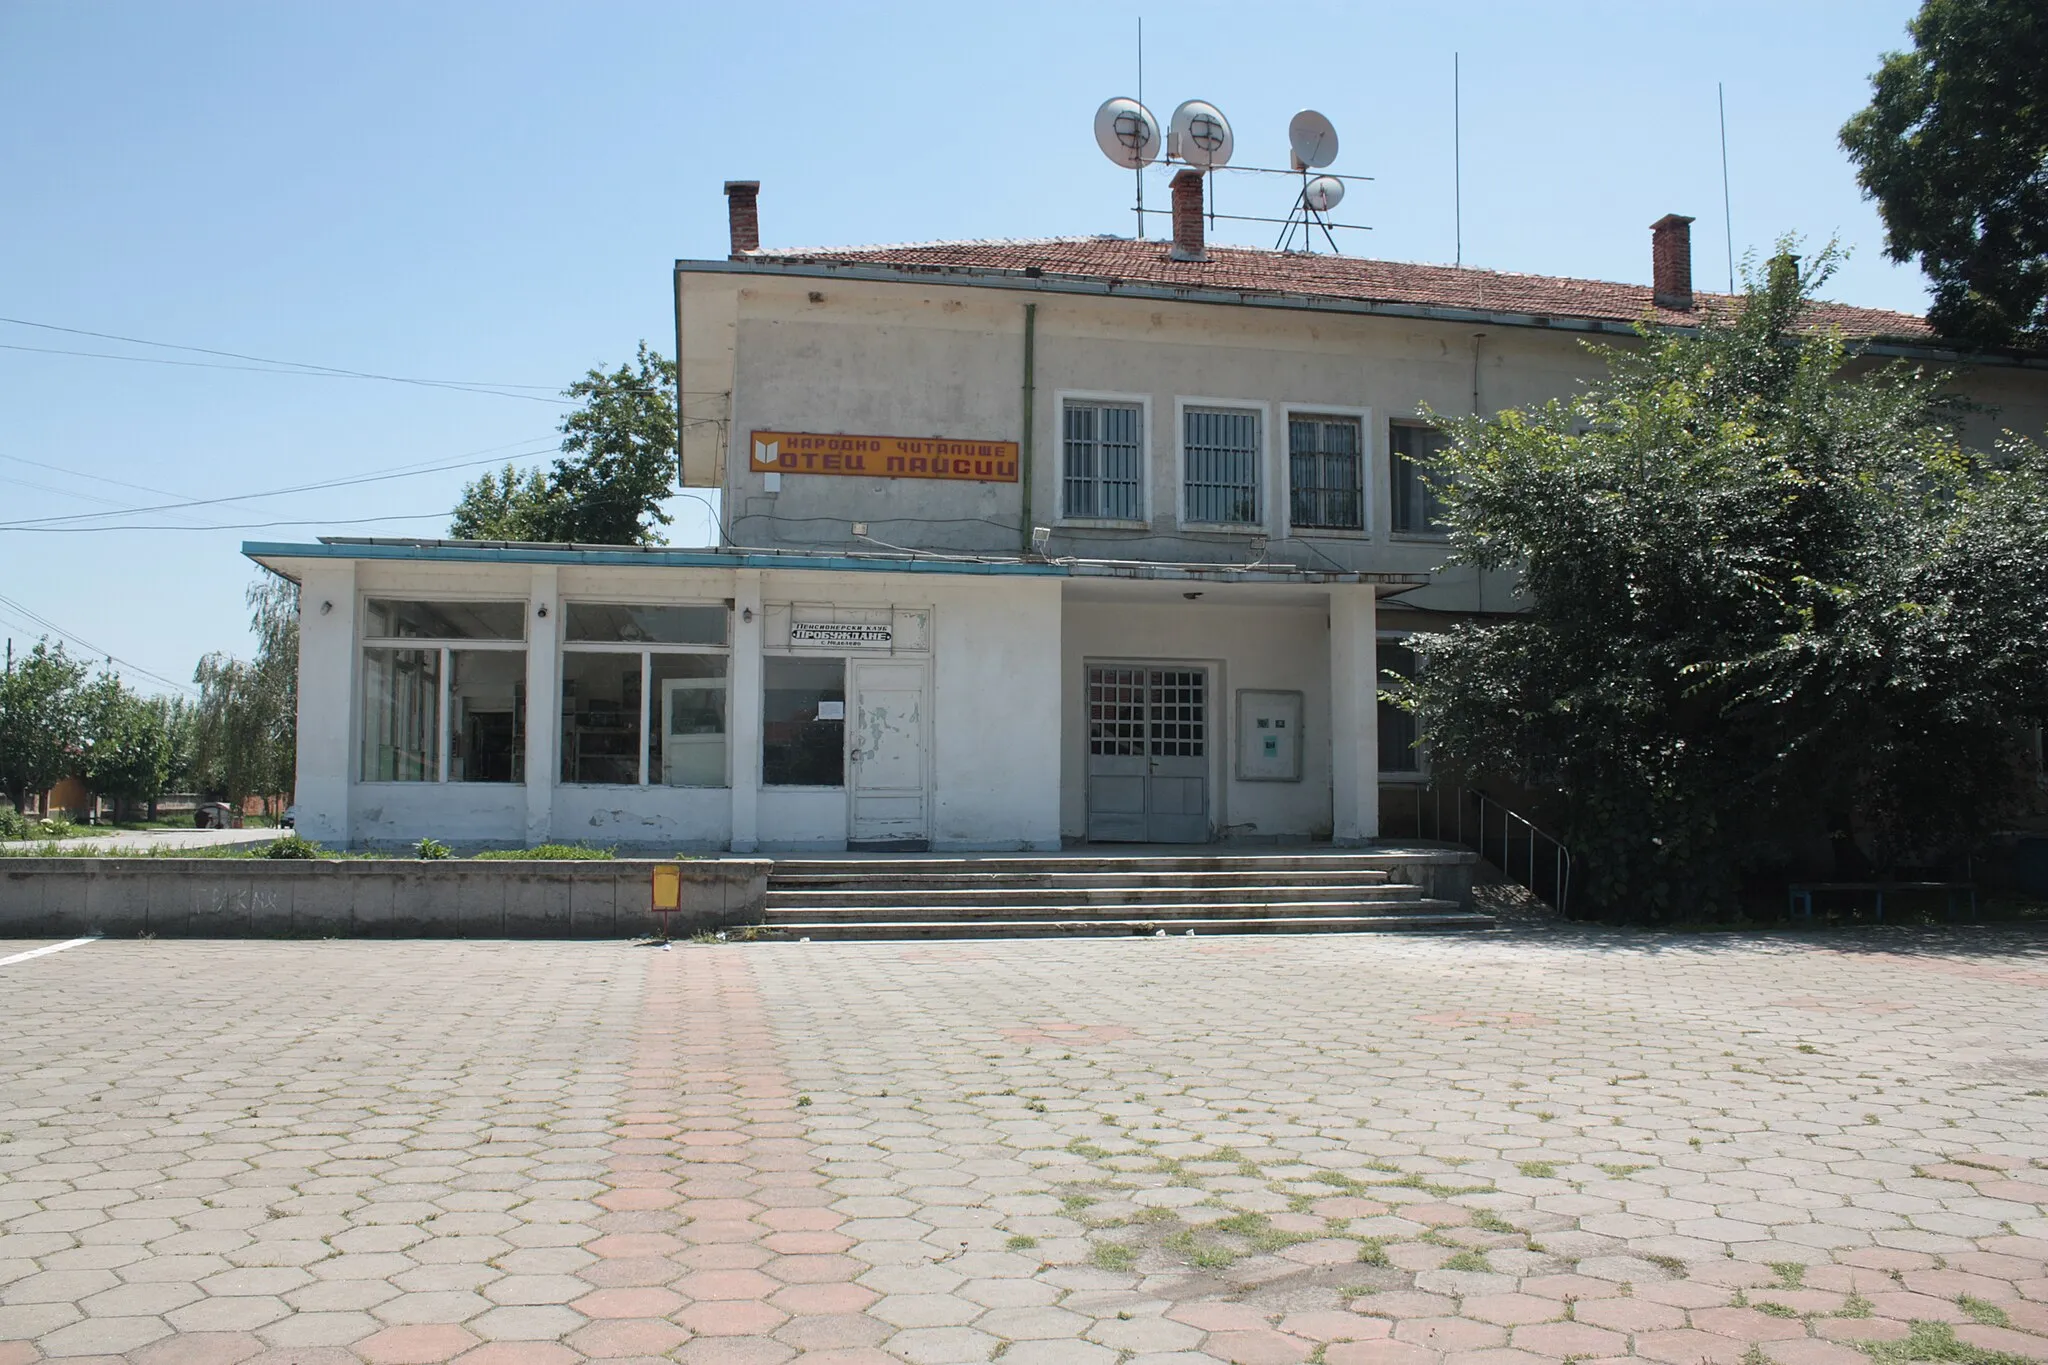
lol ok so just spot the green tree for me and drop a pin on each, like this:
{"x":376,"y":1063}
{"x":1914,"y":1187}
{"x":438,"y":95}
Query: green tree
{"x":42,"y":721}
{"x":1770,"y":602}
{"x":246,"y":724}
{"x":127,"y":744}
{"x":1954,"y":148}
{"x":617,"y":467}
{"x":180,"y":720}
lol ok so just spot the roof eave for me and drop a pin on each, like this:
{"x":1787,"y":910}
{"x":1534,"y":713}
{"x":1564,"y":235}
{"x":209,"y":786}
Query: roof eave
{"x":991,"y":277}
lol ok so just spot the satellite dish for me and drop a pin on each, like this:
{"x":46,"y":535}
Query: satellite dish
{"x":1313,"y":139}
{"x":1323,"y":193}
{"x":1201,"y":135}
{"x":1127,"y":133}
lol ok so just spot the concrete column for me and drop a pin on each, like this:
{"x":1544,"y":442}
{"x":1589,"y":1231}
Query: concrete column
{"x":1354,"y":715}
{"x":743,"y":700}
{"x":543,"y":710}
{"x":327,"y":670}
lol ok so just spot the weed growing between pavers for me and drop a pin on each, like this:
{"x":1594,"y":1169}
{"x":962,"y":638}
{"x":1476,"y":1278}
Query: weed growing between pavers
{"x":1935,"y":1341}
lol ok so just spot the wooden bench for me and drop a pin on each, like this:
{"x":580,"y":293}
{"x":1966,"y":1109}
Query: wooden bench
{"x":1799,"y":895}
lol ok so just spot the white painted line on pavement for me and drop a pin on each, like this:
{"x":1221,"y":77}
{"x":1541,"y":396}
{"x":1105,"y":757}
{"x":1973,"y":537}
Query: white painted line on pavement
{"x":51,"y":948}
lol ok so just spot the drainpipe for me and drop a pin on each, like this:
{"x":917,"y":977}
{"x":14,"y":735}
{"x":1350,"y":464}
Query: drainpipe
{"x":1030,"y":412}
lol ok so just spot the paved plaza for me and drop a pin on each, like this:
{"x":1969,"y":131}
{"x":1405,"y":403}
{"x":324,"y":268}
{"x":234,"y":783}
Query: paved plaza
{"x":1537,"y":1146}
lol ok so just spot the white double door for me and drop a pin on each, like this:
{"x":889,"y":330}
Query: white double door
{"x":888,"y":797}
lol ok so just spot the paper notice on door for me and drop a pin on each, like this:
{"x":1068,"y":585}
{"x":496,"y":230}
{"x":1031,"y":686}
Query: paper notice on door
{"x":831,"y":710}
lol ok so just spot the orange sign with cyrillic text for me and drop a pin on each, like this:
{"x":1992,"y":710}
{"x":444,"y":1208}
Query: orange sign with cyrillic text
{"x":884,"y":457}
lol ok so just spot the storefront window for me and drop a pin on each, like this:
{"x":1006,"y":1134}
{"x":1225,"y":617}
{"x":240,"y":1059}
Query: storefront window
{"x":803,"y":722}
{"x":486,"y":715}
{"x":686,"y":747}
{"x":401,"y":715}
{"x":390,"y":618}
{"x":601,"y":712}
{"x":433,"y":710}
{"x":632,"y":623}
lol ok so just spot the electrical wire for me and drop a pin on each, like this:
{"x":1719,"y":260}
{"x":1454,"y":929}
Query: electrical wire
{"x":231,"y":526}
{"x":94,"y":650}
{"x":492,"y":455}
{"x":274,"y":365}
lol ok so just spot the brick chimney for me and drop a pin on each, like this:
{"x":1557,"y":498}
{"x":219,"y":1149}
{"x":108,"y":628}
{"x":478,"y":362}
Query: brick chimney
{"x":743,"y":210}
{"x":1187,"y":217}
{"x":1671,"y":262}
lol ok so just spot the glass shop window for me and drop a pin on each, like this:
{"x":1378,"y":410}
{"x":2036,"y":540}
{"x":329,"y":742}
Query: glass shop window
{"x":394,"y":619}
{"x":803,"y":722}
{"x":601,"y":713}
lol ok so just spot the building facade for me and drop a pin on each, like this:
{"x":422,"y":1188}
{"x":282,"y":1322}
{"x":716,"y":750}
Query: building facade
{"x":1023,"y":545}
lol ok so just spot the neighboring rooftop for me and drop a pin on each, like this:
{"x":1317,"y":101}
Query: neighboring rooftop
{"x":1245,"y":270}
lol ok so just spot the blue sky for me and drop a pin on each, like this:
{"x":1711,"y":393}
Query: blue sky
{"x":495,"y":193}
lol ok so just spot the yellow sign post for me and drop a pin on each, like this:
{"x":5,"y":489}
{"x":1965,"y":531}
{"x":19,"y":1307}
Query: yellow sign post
{"x":668,"y":892}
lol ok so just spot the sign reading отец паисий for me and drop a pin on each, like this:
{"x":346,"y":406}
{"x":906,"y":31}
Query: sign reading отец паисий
{"x":884,"y":457}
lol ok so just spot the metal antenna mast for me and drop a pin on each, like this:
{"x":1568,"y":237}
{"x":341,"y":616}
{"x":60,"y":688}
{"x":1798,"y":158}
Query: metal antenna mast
{"x":1140,"y":171}
{"x":1457,"y":161}
{"x":1727,"y":213}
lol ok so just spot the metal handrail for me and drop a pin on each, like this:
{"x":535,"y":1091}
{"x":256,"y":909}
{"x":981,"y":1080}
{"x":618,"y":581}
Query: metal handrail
{"x":1556,"y":887}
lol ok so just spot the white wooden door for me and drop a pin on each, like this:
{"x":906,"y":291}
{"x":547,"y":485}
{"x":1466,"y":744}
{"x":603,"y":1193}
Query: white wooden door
{"x":886,"y":749}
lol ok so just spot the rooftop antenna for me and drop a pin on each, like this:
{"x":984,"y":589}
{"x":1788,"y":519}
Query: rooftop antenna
{"x":1312,"y":145}
{"x":1199,"y":138}
{"x":1457,"y":163}
{"x":1139,"y":171}
{"x":1727,"y":213}
{"x":1128,"y":135}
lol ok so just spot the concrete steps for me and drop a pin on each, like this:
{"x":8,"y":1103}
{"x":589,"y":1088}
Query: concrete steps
{"x":1114,"y":894}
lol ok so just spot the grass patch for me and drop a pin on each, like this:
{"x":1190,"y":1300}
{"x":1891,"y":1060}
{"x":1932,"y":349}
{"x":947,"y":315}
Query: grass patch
{"x":1371,"y":1251}
{"x":1791,"y":1274}
{"x":1775,"y":1310}
{"x":1486,"y":1220}
{"x":1112,"y":1256}
{"x":1989,"y":1314}
{"x":1021,"y":1243}
{"x":1074,"y":1203}
{"x":1468,"y":1259}
{"x":1538,"y":1170}
{"x":1855,"y":1306}
{"x":546,"y":853}
{"x":1935,"y":1341}
{"x":1620,"y":1172}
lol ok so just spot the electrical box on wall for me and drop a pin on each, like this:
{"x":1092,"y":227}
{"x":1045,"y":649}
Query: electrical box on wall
{"x":1268,"y":736}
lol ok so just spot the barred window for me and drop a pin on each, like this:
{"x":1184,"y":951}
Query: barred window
{"x":1104,"y":460}
{"x":1323,"y":457}
{"x":1220,"y":454}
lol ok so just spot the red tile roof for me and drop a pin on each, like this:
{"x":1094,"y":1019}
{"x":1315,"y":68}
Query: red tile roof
{"x":1248,"y":271}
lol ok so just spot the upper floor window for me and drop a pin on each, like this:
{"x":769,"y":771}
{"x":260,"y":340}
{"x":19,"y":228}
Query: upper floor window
{"x":1415,"y":448}
{"x":1220,"y":466}
{"x":1102,"y":465}
{"x":1324,"y":470}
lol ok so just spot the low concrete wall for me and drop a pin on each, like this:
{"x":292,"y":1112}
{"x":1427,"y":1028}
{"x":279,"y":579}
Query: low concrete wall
{"x":367,"y":898}
{"x":1443,"y":874}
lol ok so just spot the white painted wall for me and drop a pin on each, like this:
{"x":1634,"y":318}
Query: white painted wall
{"x":1245,"y":645}
{"x":994,"y":707}
{"x":997,"y":716}
{"x":327,"y":654}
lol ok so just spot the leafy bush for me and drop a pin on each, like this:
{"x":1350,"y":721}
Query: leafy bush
{"x":55,"y":827}
{"x":291,"y":846}
{"x":13,"y":825}
{"x":431,"y":848}
{"x":546,"y":852}
{"x":1772,"y":606}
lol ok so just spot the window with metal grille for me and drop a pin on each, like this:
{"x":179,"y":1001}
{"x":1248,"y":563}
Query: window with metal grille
{"x":1103,"y":470}
{"x":1416,"y":505}
{"x":1116,"y":711}
{"x":1179,"y":712}
{"x":1220,"y":465}
{"x":1398,"y":753}
{"x":1323,"y":471}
